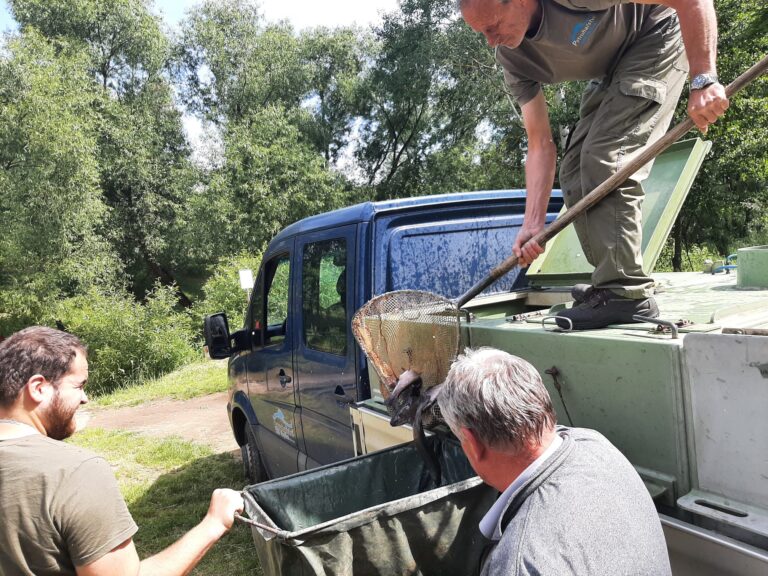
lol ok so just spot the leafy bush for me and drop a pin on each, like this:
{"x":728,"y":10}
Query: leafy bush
{"x":127,"y":341}
{"x":692,"y":260}
{"x":222,"y":291}
{"x":18,"y":309}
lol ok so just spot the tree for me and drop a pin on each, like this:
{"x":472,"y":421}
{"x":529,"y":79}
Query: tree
{"x":283,"y":105}
{"x":51,"y":212}
{"x":729,"y":198}
{"x":270,"y":178}
{"x":439,"y":117}
{"x":335,"y":61}
{"x":125,"y":41}
{"x":147,"y":178}
{"x":230,"y":65}
{"x":143,"y":158}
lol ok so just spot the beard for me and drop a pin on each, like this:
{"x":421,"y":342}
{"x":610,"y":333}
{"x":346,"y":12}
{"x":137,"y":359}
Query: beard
{"x":60,"y":419}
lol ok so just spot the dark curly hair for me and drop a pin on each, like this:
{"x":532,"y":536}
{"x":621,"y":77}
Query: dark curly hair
{"x":35,"y":350}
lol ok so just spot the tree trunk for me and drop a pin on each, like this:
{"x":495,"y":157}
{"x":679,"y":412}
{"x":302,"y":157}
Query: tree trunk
{"x":677,"y":254}
{"x":162,"y":274}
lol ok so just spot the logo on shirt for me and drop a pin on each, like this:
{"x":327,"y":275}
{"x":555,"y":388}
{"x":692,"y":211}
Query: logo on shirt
{"x":583,"y":30}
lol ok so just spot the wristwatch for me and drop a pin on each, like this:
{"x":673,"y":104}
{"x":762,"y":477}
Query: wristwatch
{"x":702,"y":81}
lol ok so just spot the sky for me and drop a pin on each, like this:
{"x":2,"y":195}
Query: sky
{"x":301,"y":13}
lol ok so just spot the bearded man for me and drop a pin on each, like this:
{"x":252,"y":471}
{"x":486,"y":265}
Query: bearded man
{"x":61,"y":510}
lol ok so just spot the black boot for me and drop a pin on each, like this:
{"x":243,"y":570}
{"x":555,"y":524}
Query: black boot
{"x":581,"y":292}
{"x":603,"y":308}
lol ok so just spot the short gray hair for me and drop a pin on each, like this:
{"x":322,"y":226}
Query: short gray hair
{"x":500,"y":397}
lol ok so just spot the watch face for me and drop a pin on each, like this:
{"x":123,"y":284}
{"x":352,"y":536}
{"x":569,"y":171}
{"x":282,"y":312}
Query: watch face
{"x":702,"y":81}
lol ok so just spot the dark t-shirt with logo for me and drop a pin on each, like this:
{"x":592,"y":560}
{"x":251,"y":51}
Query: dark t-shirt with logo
{"x":576,"y":40}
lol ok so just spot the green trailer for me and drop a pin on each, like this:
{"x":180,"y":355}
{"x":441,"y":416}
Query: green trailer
{"x":684,"y":399}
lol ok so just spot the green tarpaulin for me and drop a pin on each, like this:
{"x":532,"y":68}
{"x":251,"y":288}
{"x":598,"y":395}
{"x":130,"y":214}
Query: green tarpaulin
{"x":376,"y":514}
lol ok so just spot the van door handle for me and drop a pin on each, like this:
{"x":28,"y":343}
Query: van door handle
{"x":341,"y":396}
{"x":284,"y":378}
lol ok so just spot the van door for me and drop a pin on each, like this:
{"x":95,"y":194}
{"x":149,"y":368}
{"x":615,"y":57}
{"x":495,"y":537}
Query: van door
{"x":325,"y":350}
{"x":270,"y":364}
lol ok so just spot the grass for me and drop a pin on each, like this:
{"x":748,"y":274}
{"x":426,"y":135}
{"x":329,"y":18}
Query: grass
{"x":196,"y":379}
{"x":167,"y":483}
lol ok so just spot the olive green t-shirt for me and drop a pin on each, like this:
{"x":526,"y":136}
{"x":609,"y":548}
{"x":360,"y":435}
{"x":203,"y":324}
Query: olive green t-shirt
{"x":59,"y":507}
{"x":576,"y":40}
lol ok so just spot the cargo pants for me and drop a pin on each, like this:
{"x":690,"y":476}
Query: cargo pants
{"x":630,"y":107}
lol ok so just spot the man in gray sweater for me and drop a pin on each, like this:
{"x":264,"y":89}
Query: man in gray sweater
{"x":570,"y":502}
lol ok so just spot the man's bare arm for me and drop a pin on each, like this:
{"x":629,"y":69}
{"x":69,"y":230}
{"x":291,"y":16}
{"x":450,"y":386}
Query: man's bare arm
{"x":181,"y":556}
{"x":539,"y":177}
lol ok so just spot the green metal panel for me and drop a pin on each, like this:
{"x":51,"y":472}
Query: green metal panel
{"x":753,"y":267}
{"x":666,"y":188}
{"x":623,"y":385}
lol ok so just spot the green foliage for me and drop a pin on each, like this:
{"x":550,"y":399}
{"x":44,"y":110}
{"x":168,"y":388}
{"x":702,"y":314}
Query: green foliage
{"x":127,"y":341}
{"x":730,"y":195}
{"x":231,"y":66}
{"x":270,"y":178}
{"x":142,"y":156}
{"x":51,"y":212}
{"x":125,"y":41}
{"x":437,"y":116}
{"x":222,"y":291}
{"x":146,"y":179}
{"x":334,"y":60}
{"x":692,"y":260}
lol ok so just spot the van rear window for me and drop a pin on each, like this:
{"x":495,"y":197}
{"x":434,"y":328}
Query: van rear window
{"x":449,"y":261}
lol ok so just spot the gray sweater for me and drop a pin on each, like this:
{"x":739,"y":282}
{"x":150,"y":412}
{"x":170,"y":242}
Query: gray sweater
{"x":585,"y":512}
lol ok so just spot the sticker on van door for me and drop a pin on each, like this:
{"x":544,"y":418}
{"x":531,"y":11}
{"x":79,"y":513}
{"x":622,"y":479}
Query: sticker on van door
{"x":283,"y":428}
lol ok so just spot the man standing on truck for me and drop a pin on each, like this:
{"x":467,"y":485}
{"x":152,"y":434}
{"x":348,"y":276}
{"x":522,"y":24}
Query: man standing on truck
{"x":60,"y":506}
{"x":634,"y":54}
{"x":570,"y":502}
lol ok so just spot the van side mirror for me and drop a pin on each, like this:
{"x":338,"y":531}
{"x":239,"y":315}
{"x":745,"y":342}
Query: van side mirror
{"x":217,"y":337}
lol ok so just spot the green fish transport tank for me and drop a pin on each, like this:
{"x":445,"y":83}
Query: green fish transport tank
{"x":684,"y":399}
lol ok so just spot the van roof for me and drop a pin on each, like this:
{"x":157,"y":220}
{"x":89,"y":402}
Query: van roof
{"x":366,"y":211}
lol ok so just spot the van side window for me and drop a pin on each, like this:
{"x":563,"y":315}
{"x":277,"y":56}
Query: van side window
{"x":257,"y":305}
{"x":324,"y":296}
{"x":277,"y":272}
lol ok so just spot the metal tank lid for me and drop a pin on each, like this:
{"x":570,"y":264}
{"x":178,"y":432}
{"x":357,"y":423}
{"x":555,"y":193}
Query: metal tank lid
{"x":563,"y":263}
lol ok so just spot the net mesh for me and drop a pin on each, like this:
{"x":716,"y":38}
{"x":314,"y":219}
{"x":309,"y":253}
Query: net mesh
{"x":408,"y":330}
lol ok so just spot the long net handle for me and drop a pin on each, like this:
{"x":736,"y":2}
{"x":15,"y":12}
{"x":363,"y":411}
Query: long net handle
{"x":649,"y":153}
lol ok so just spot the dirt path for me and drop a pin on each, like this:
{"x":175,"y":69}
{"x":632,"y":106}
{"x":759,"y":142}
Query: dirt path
{"x":202,"y":420}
